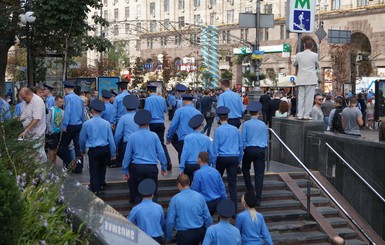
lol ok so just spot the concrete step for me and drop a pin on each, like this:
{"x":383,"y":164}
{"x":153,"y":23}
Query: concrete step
{"x":299,"y":237}
{"x":354,"y":242}
{"x":337,"y":222}
{"x":328,"y":211}
{"x":294,"y":225}
{"x":275,"y":216}
{"x":319,"y":201}
{"x":346,"y":233}
{"x":313,"y":191}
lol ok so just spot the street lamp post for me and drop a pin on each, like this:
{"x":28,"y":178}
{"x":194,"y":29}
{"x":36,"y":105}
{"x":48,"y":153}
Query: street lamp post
{"x":27,"y":19}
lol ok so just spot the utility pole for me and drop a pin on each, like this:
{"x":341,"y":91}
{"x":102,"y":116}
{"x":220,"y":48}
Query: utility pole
{"x":101,"y":35}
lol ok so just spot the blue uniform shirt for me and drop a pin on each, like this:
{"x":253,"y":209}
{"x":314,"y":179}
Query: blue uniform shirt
{"x":149,"y":217}
{"x":179,"y":103}
{"x":157,"y":106}
{"x":120,"y":110}
{"x":232,"y":101}
{"x":227,"y":142}
{"x":180,"y":122}
{"x":222,"y":233}
{"x":4,"y":110}
{"x":171,"y":100}
{"x":109,"y":113}
{"x":193,"y":144}
{"x":18,"y":109}
{"x":187,"y":210}
{"x":50,"y":101}
{"x":208,"y":182}
{"x":96,"y":132}
{"x":254,"y":133}
{"x":256,"y":232}
{"x":144,"y":147}
{"x":126,"y":126}
{"x":73,"y":110}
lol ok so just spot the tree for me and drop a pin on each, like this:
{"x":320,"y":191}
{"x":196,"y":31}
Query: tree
{"x":167,"y":69}
{"x":272,"y":75}
{"x":9,"y":18}
{"x":226,"y":74}
{"x":137,"y":72}
{"x":60,"y":27}
{"x":16,"y":64}
{"x":207,"y":78}
{"x":340,"y":64}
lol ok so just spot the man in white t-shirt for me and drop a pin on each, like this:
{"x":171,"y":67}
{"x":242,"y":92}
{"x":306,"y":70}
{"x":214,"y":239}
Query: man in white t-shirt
{"x":33,"y":119}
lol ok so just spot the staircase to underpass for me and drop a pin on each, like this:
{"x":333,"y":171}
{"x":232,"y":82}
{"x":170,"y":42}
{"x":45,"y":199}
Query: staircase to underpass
{"x":283,"y":207}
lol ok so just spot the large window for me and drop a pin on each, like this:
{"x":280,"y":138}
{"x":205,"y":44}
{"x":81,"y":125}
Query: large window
{"x":166,"y":23}
{"x":362,"y":3}
{"x":248,"y":9}
{"x":181,"y":21}
{"x":127,"y":28}
{"x":178,"y":39}
{"x":213,"y":2}
{"x":163,"y":41}
{"x":197,"y":19}
{"x":282,"y":31}
{"x":105,"y":14}
{"x":116,"y":30}
{"x":166,"y":5}
{"x":116,"y":14}
{"x":127,"y":12}
{"x":197,"y":3}
{"x":230,"y":16}
{"x":153,"y":26}
{"x":266,"y":34}
{"x":149,"y":43}
{"x":180,"y":4}
{"x":246,"y":34}
{"x":152,"y":9}
{"x":336,"y":4}
{"x":242,"y":34}
{"x":138,"y":26}
{"x":212,"y":18}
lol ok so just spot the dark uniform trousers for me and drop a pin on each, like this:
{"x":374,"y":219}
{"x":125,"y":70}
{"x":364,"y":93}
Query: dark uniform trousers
{"x":256,"y":155}
{"x":236,"y":122}
{"x":140,"y":172}
{"x":130,"y":181}
{"x":189,"y":170}
{"x":190,"y":237}
{"x":121,"y":150}
{"x":209,"y":124}
{"x":72,"y":133}
{"x":230,"y":164}
{"x":178,"y":145}
{"x":171,"y":113}
{"x":98,"y":157}
{"x":159,"y":129}
{"x":212,"y":206}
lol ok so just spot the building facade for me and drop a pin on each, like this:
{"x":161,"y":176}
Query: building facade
{"x":147,"y":28}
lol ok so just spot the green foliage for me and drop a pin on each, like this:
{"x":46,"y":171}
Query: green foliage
{"x":207,"y":78}
{"x":11,"y":208}
{"x":138,"y":72}
{"x":226,"y":74}
{"x":30,"y":190}
{"x":167,"y":69}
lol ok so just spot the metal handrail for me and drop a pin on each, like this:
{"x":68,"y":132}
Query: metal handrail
{"x":322,"y":187}
{"x":356,"y":173}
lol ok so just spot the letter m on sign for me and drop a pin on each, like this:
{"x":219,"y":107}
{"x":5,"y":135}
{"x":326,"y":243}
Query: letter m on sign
{"x":302,"y":3}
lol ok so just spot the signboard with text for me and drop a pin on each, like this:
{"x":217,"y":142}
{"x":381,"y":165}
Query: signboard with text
{"x":302,"y":16}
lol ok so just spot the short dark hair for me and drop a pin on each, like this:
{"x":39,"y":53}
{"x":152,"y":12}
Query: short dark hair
{"x":226,"y":83}
{"x":328,"y":97}
{"x":57,"y":97}
{"x":309,"y":44}
{"x":223,"y":117}
{"x":183,"y":180}
{"x":338,"y":101}
{"x":253,"y":113}
{"x":353,"y":100}
{"x":206,"y":92}
{"x":204,"y":156}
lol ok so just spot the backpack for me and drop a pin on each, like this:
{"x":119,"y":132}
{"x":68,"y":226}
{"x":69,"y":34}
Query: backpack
{"x":337,"y":121}
{"x":211,"y":113}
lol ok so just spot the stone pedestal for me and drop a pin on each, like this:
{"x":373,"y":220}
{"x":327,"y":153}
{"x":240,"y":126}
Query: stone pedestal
{"x":293,"y":132}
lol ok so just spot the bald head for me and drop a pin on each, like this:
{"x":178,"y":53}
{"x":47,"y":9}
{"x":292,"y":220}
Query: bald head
{"x":338,"y":240}
{"x":26,"y":94}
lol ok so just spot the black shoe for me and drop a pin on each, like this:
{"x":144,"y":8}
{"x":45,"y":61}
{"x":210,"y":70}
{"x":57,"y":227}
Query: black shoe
{"x":169,"y":167}
{"x":258,"y":203}
{"x":103,"y":186}
{"x":239,"y":171}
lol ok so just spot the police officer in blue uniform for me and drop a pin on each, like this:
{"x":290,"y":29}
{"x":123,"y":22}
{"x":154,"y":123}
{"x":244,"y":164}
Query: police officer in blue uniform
{"x":180,"y":89}
{"x":180,"y":125}
{"x":118,"y":101}
{"x":157,"y":106}
{"x":232,"y":101}
{"x":72,"y":124}
{"x":96,"y":135}
{"x":171,"y":101}
{"x":148,"y":215}
{"x":109,"y":113}
{"x":143,"y":151}
{"x":50,"y":99}
{"x":208,"y":182}
{"x":194,"y":143}
{"x":255,"y":139}
{"x":223,"y":232}
{"x":251,"y":223}
{"x":228,"y":150}
{"x":126,"y":126}
{"x":188,"y":214}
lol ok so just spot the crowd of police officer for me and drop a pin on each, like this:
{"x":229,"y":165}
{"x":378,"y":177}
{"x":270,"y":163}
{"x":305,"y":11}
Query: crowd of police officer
{"x":134,"y":139}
